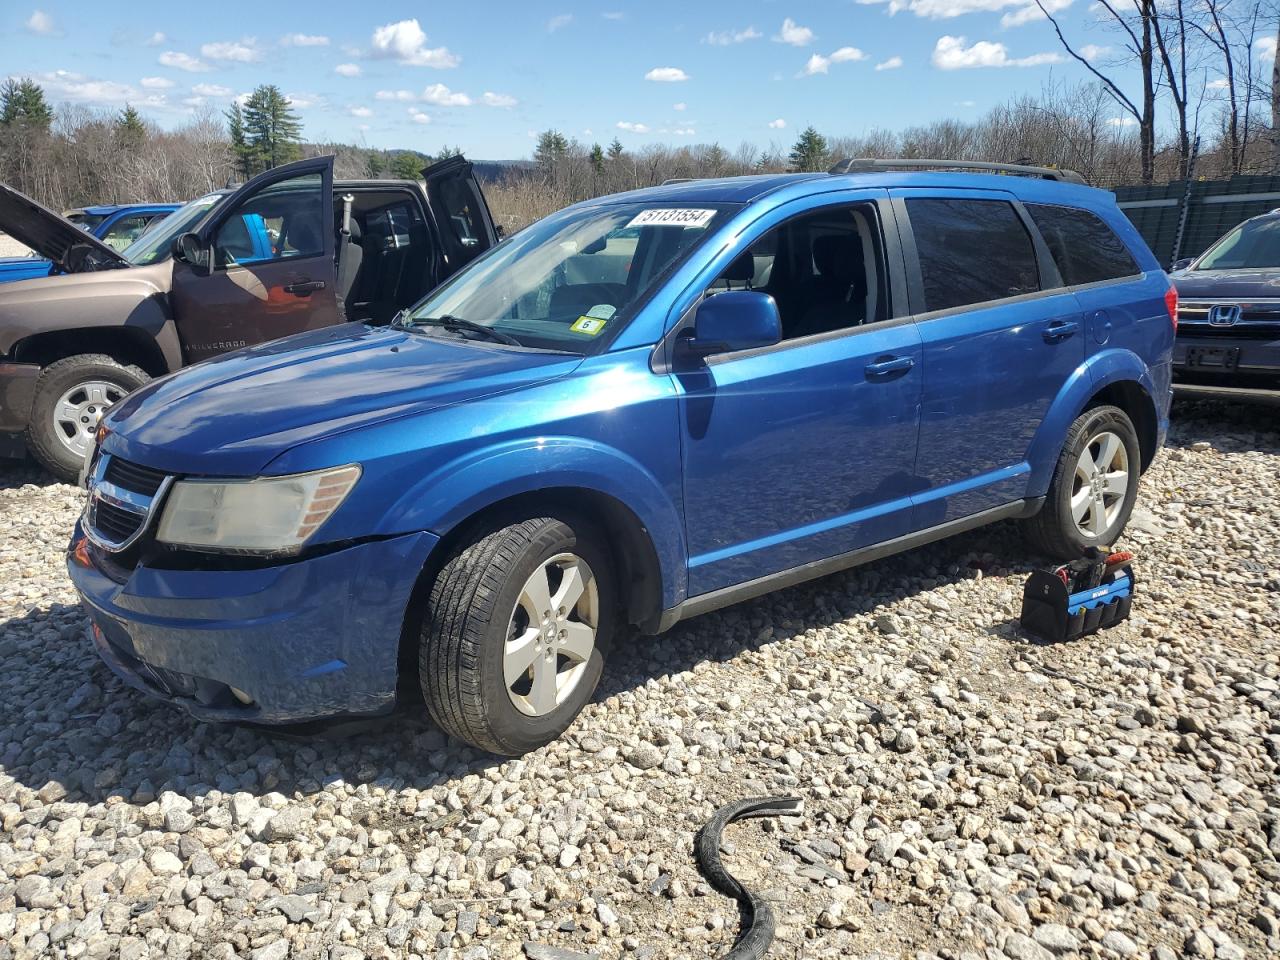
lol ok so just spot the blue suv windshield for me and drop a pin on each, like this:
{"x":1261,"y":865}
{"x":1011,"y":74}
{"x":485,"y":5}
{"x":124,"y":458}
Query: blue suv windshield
{"x":155,"y":245}
{"x":568,"y":280}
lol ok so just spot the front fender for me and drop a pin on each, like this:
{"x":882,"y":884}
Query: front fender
{"x":1100,"y":371}
{"x":462,"y":488}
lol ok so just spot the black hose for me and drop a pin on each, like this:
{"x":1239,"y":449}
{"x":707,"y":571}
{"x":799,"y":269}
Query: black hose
{"x":755,"y":937}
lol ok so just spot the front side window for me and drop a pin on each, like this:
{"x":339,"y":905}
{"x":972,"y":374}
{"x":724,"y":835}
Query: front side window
{"x":1253,"y":245}
{"x":824,"y":270}
{"x":971,"y":251}
{"x":1085,"y":249}
{"x":156,"y":245}
{"x":567,"y":281}
{"x":279,"y":222}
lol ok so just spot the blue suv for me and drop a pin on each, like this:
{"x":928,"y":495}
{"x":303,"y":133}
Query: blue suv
{"x":642,"y":408}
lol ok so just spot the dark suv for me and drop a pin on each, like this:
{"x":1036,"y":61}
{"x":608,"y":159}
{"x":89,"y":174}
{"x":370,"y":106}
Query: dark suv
{"x":636,"y":410}
{"x":1228,"y":342}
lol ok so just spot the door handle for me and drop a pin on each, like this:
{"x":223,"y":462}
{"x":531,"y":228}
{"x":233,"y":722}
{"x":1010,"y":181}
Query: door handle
{"x":1060,"y":330}
{"x":304,"y":288}
{"x":887,"y":366}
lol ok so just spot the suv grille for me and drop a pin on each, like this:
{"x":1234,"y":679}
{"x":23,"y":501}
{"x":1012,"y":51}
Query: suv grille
{"x":117,"y":524}
{"x":132,"y":476}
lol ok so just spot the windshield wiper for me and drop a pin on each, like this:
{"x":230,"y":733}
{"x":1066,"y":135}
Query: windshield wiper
{"x":450,"y":322}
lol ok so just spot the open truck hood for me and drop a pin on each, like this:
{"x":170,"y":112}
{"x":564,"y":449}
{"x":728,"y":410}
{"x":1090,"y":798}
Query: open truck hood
{"x":50,"y":235}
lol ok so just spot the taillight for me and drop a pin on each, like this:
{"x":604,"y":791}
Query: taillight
{"x":1171,"y":304}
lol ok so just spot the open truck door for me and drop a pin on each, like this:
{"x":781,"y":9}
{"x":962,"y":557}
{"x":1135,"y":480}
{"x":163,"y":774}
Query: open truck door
{"x":458,"y":208}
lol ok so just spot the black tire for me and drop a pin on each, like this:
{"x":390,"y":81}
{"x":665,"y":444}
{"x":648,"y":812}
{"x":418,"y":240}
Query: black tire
{"x":54,"y":381}
{"x":1053,"y":530}
{"x":464,"y":632}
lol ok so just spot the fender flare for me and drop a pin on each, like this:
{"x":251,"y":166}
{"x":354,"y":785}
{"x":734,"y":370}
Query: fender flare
{"x":460,"y":489}
{"x":1104,"y":368}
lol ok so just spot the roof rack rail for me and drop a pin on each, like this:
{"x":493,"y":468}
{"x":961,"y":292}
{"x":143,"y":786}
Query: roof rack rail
{"x":670,"y":180}
{"x":868,"y":164}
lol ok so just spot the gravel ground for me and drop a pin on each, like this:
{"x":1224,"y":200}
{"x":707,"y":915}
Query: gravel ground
{"x":968,"y":793}
{"x":10,"y":247}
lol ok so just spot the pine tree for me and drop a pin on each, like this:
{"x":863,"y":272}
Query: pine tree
{"x":131,"y":132}
{"x":445,"y":153}
{"x":551,"y":149}
{"x":810,"y":152}
{"x":22,"y":102}
{"x":597,"y":159}
{"x":407,"y":165}
{"x":615,"y":149}
{"x":272,"y":129}
{"x":715,"y":160}
{"x":374,"y":164}
{"x":239,"y":145}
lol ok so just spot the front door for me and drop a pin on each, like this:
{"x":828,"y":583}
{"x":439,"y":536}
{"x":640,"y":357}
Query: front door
{"x":804,"y":450}
{"x":1001,"y":338}
{"x":269,"y":271}
{"x":460,"y":213}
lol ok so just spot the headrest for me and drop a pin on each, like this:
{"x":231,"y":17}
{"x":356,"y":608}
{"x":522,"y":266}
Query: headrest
{"x":304,"y":235}
{"x":838,"y":255}
{"x":742,"y":270}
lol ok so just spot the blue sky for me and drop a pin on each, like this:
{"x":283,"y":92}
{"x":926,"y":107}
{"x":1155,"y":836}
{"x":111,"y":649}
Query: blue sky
{"x":486,"y":75}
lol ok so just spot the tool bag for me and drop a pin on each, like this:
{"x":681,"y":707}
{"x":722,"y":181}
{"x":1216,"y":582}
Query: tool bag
{"x":1054,"y":612}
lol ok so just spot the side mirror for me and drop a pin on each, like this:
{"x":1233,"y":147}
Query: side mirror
{"x":1181,"y":264}
{"x":188,"y":248}
{"x":731,"y":321}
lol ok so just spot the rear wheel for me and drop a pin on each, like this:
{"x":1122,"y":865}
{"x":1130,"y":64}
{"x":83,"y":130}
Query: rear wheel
{"x":1094,"y":486}
{"x":71,"y":396}
{"x":515,"y":636}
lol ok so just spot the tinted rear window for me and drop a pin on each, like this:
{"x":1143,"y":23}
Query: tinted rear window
{"x":1085,"y":249}
{"x":971,"y":251}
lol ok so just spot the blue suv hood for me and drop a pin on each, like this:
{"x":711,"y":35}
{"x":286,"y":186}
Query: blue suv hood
{"x":232,"y":415}
{"x":1226,"y":284}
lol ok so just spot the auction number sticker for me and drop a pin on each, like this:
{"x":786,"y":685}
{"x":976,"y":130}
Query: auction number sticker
{"x":672,"y":217}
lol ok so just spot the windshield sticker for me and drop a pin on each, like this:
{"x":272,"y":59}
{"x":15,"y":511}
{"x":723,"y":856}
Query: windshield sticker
{"x":602,"y":310}
{"x":672,"y":217}
{"x":589,"y":326}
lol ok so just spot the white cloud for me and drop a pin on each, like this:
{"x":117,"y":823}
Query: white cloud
{"x":347,"y":70}
{"x":41,"y":23}
{"x":1031,"y":12}
{"x":156,"y":39}
{"x":778,"y":124}
{"x":614,"y":15}
{"x":211,"y":90}
{"x":559,"y":21}
{"x":244,"y":50}
{"x":405,"y":42}
{"x":632,"y":127}
{"x":1018,"y":11}
{"x":78,"y":88}
{"x":183,"y":61}
{"x":305,"y":101}
{"x":404,"y":96}
{"x":442,"y":96}
{"x":417,"y":116}
{"x":680,"y":107}
{"x":1122,"y":122}
{"x":667,"y":75}
{"x":492,"y":99}
{"x":820,"y":64}
{"x":304,"y":40}
{"x":893,"y":63}
{"x":1266,"y":47}
{"x":156,"y":83}
{"x":794,"y":34}
{"x":725,"y":38}
{"x":360,"y":111}
{"x":1092,"y":51}
{"x":951,"y":53}
{"x":685,"y":132}
{"x":1220,"y":84}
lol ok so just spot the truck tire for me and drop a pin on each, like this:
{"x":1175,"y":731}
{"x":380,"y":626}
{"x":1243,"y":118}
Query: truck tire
{"x":70,"y":397}
{"x":518,"y":624}
{"x":1094,"y":486}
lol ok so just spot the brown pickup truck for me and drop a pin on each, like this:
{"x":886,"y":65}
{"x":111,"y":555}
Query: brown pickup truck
{"x":291,"y":250}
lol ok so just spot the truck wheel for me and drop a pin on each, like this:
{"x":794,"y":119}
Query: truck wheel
{"x":1094,"y":486}
{"x":71,"y":395}
{"x":516,"y":632}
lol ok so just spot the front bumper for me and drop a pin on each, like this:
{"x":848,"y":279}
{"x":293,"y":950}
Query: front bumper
{"x":305,"y":640}
{"x":1243,"y":361}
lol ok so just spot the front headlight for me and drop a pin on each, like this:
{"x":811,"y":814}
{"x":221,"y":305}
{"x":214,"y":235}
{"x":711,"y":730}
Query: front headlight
{"x":267,"y":515}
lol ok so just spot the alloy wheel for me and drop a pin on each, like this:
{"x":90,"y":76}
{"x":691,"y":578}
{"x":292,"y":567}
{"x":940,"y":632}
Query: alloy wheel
{"x":551,"y":635}
{"x":78,"y":410}
{"x":1100,"y":484}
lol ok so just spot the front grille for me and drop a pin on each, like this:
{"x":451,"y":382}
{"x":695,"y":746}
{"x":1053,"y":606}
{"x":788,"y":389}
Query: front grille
{"x":132,"y":476}
{"x":114,"y":523}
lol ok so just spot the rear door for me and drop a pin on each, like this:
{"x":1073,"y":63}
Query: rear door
{"x":271,"y":264}
{"x":1001,"y":337}
{"x":460,"y":213}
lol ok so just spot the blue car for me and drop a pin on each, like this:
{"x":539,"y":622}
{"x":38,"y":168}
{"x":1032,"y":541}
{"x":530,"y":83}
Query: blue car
{"x":640,"y":409}
{"x":116,"y":225}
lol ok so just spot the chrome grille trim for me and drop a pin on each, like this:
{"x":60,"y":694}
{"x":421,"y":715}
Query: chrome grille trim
{"x":115,"y":496}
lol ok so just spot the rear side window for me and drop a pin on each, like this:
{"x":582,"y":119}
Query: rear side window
{"x":1085,"y":249}
{"x":971,"y":251}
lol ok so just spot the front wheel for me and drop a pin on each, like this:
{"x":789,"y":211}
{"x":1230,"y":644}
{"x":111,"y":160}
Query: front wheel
{"x":514,"y":639}
{"x":1094,"y":486}
{"x":71,"y":396}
